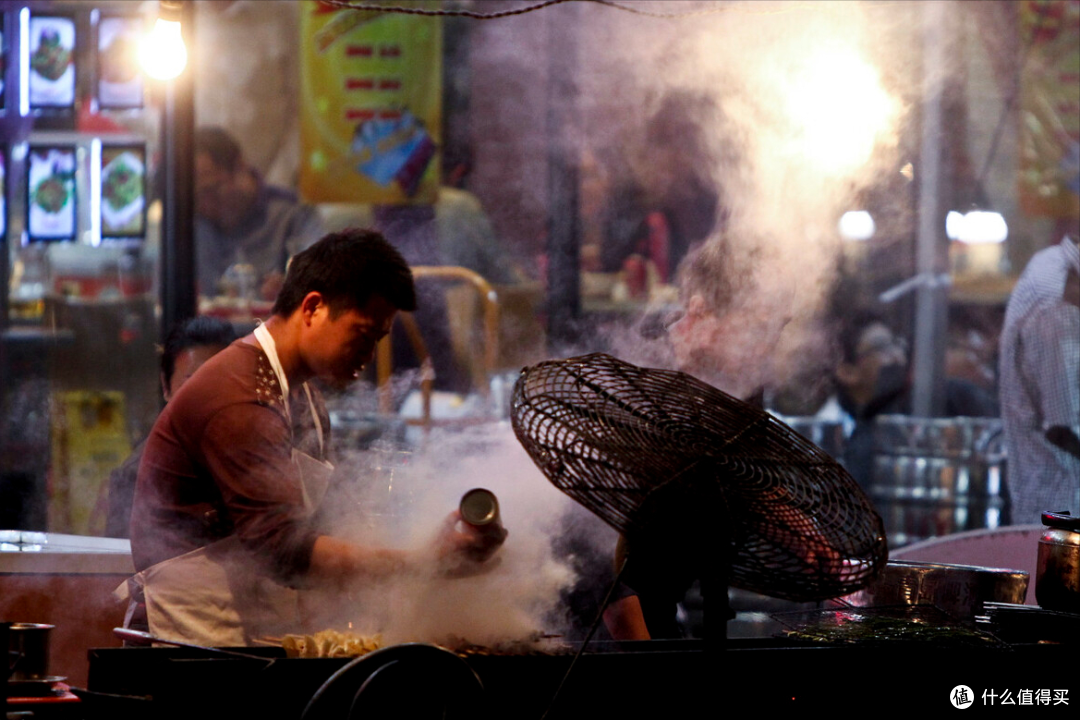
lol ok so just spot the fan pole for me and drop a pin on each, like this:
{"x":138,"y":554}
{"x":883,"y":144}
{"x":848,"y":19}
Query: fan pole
{"x":715,"y":580}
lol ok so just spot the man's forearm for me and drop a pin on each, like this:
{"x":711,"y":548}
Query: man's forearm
{"x":336,"y":559}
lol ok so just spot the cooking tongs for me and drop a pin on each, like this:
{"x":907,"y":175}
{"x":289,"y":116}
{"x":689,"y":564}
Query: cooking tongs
{"x":138,"y":637}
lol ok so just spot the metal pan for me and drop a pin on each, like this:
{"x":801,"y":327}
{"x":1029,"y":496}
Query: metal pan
{"x":960,"y":590}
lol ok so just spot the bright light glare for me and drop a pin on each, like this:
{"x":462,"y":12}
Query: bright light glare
{"x":856,"y":225}
{"x":840,"y":108}
{"x":978,"y":227}
{"x":162,"y":53}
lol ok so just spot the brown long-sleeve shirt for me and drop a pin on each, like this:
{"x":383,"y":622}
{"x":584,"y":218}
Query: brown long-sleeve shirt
{"x":218,"y":462}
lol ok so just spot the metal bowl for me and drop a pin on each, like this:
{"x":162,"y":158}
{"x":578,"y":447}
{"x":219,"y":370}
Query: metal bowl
{"x":960,"y":590}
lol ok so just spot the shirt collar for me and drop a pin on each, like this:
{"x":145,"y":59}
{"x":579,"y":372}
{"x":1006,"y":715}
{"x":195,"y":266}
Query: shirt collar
{"x":1071,"y":249}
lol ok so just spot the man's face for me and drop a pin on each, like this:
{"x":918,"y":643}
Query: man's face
{"x":732,"y":351}
{"x":219,"y":197}
{"x":878,"y":348}
{"x":185,"y":365}
{"x":336,"y":349}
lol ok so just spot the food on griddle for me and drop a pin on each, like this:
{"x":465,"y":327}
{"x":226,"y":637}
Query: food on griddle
{"x":51,"y":59}
{"x":330,"y":644}
{"x":849,"y":629}
{"x":51,"y":194}
{"x":123,"y":185}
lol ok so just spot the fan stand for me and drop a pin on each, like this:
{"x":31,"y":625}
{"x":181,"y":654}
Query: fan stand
{"x":714,"y":594}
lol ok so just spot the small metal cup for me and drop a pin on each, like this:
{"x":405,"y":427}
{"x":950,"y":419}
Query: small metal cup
{"x":28,"y":651}
{"x":480,"y":509}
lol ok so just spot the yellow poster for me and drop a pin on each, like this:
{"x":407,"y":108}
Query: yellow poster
{"x":89,"y":440}
{"x":371,"y":110}
{"x":1050,"y":108}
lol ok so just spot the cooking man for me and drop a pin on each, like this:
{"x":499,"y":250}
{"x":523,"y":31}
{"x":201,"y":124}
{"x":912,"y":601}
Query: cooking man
{"x":222,"y":532}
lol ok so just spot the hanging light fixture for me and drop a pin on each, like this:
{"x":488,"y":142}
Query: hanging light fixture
{"x":162,"y":52}
{"x":856,"y":225}
{"x":976,"y":227}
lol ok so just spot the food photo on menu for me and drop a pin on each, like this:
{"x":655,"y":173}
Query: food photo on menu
{"x":52,"y":62}
{"x":123,"y":191}
{"x":120,"y":84}
{"x":51,"y":193}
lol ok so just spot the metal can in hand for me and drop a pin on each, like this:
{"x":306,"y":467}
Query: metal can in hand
{"x":479,"y":508}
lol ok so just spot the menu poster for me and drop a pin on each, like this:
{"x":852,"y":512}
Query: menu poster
{"x":123,"y":191}
{"x":120,"y":84}
{"x":50,"y":193}
{"x":1049,"y":127}
{"x":371,"y":113}
{"x":52,"y":62}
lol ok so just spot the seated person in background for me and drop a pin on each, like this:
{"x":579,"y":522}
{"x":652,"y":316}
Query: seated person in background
{"x":239,"y":219}
{"x":872,"y":378}
{"x":188,"y":346}
{"x":465,"y":235}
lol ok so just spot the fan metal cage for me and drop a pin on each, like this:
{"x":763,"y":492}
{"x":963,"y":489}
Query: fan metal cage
{"x":657,"y":453}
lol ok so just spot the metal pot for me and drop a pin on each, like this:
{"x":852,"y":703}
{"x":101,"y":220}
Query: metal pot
{"x":28,"y":651}
{"x":960,"y":590}
{"x":1057,"y":575}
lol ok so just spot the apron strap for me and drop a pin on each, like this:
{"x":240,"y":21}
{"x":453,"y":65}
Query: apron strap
{"x":266,"y":340}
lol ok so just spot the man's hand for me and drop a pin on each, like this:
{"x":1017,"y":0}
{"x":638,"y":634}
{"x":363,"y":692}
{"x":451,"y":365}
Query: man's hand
{"x":462,"y":549}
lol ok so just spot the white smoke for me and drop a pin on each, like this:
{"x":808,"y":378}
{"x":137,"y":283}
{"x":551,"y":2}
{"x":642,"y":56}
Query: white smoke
{"x":801,"y":108}
{"x":401,"y":498}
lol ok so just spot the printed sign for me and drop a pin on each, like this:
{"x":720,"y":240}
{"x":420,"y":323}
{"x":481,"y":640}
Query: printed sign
{"x":1049,"y":182}
{"x":372,"y":103}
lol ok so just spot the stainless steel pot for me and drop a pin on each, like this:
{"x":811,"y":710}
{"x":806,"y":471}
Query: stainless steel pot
{"x":960,"y":590}
{"x":1057,"y":575}
{"x":28,"y":651}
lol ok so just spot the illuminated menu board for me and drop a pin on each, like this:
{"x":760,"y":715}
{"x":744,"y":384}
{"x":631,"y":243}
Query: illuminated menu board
{"x":52,"y":62}
{"x":123,"y":191}
{"x":50,"y":193}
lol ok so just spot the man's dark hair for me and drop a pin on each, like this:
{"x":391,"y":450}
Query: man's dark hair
{"x":220,"y":146}
{"x":851,"y":329}
{"x":195,"y":332}
{"x":348,"y":268}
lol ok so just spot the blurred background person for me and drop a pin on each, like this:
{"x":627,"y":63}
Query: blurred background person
{"x":1040,"y":383}
{"x":240,"y":220}
{"x":872,"y":378}
{"x":663,"y":200}
{"x":725,"y":335}
{"x":465,"y":236}
{"x":188,"y":346}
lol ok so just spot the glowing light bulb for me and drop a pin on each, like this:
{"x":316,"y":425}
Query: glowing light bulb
{"x":983,"y":227}
{"x":856,"y":225}
{"x":162,"y":52}
{"x":839,"y":110}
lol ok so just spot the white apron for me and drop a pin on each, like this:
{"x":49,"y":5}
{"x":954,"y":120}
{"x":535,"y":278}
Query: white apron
{"x":215,"y":596}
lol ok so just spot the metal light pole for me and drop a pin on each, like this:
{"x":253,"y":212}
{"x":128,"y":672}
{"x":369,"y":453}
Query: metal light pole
{"x":178,"y":300}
